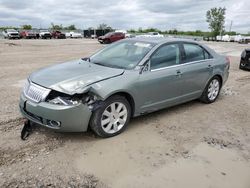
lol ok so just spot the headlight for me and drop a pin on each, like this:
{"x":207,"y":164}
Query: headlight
{"x":67,"y":100}
{"x":26,"y":86}
{"x":64,"y":101}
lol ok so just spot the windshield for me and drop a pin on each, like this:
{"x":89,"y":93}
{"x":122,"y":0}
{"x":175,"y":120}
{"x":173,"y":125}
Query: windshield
{"x":108,"y":34}
{"x":11,"y":30}
{"x":125,"y":54}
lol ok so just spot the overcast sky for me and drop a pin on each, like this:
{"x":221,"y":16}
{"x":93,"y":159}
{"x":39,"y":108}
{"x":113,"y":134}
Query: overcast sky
{"x":123,"y":14}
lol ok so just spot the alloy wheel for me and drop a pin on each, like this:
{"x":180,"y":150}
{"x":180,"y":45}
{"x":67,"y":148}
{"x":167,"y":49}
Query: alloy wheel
{"x":114,"y":117}
{"x":213,"y":89}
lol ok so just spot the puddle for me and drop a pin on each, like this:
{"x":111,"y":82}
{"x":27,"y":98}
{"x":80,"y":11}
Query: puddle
{"x":207,"y":167}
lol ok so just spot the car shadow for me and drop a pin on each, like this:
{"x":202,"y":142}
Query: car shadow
{"x":134,"y":123}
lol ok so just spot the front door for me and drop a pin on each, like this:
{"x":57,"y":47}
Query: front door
{"x":160,"y":86}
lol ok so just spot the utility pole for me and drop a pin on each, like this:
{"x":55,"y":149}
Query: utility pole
{"x":230,"y":26}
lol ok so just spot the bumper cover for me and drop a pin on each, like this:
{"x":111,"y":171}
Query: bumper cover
{"x":245,"y":65}
{"x":71,"y":118}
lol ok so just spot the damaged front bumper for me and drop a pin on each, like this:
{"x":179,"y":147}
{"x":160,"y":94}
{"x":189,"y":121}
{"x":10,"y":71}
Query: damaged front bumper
{"x":73,"y":118}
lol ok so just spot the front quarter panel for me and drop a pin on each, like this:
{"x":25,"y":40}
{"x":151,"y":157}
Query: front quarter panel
{"x":124,"y":83}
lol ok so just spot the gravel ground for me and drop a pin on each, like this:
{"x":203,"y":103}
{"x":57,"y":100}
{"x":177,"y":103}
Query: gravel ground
{"x":190,"y":145}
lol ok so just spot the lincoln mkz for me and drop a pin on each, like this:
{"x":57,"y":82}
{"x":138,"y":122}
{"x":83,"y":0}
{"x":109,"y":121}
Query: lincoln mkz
{"x":125,"y":79}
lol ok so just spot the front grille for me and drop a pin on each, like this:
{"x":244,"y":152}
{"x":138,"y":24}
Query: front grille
{"x":35,"y":92}
{"x":14,"y":34}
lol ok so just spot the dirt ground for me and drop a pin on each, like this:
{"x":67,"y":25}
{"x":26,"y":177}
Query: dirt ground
{"x":191,"y":145}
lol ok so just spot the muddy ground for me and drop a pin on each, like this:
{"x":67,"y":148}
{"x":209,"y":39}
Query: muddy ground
{"x":190,"y":145}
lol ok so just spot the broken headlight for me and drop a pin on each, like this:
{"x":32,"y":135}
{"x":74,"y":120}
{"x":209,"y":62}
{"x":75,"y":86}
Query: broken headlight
{"x":64,"y":101}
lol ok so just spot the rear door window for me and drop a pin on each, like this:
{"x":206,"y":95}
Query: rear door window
{"x":194,"y":52}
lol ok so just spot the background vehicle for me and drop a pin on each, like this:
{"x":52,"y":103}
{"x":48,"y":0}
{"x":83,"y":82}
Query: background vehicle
{"x":244,"y":40}
{"x":151,"y":34}
{"x":126,"y":79}
{"x":28,"y":34}
{"x":45,"y":34}
{"x":11,"y":34}
{"x":245,"y":59}
{"x":111,"y":37}
{"x":58,"y":35}
{"x":73,"y":34}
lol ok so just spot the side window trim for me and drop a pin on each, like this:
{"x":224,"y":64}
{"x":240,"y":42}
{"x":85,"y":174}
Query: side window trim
{"x":162,"y":68}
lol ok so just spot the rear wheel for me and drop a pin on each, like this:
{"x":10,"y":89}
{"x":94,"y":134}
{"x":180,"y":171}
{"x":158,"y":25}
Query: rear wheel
{"x":112,"y":117}
{"x":212,"y":90}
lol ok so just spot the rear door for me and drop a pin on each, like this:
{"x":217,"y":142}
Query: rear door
{"x":196,"y":69}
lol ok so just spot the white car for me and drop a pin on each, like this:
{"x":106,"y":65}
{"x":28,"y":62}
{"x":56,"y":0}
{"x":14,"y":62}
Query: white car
{"x":73,"y":34}
{"x":11,"y":34}
{"x":151,"y":34}
{"x":45,"y":34}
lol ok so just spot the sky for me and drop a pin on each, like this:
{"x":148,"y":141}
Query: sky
{"x":124,"y":14}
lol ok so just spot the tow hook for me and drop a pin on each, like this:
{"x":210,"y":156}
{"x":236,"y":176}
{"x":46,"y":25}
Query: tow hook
{"x":26,"y":131}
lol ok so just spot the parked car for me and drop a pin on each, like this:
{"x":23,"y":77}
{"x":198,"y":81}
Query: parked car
{"x":28,"y":34}
{"x":58,"y":35}
{"x":126,"y":79}
{"x":45,"y":34}
{"x":74,"y":34}
{"x":244,"y":40}
{"x":151,"y":34}
{"x":93,"y":36}
{"x":111,"y":37}
{"x":11,"y":34}
{"x":245,"y":59}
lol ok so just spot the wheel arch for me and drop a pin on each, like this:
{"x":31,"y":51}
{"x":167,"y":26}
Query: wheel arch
{"x":129,"y":98}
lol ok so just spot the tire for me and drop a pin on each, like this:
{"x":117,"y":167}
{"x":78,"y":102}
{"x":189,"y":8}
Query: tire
{"x":107,"y":41}
{"x":106,"y":124}
{"x":211,"y":91}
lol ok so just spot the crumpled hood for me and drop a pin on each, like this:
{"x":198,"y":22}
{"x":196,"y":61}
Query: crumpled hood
{"x":72,"y":77}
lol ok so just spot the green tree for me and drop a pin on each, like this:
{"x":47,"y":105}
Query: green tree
{"x":216,"y":20}
{"x":70,"y":27}
{"x":26,"y":27}
{"x":104,"y":26}
{"x":56,"y":27}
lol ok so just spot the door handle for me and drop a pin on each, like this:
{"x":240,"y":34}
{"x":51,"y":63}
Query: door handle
{"x":209,"y":66}
{"x":178,"y":73}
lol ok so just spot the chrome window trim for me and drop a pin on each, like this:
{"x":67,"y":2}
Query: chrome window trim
{"x":182,"y":64}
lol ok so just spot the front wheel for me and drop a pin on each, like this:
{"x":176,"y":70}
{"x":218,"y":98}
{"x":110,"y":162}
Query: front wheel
{"x":112,"y":117}
{"x":212,"y":90}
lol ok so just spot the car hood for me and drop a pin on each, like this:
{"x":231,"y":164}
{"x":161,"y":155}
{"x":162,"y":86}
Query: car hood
{"x":13,"y":32}
{"x":73,"y":77}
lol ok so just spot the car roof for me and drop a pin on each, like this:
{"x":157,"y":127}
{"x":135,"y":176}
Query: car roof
{"x":160,"y":40}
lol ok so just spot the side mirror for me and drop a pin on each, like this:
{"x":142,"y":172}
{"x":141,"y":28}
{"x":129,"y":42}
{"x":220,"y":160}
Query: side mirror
{"x":86,"y":59}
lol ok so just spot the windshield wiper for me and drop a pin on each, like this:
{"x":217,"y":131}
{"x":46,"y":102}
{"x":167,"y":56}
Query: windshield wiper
{"x":108,"y":65}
